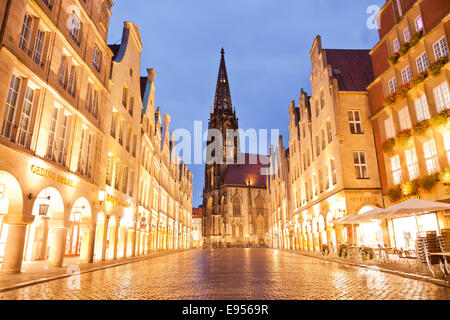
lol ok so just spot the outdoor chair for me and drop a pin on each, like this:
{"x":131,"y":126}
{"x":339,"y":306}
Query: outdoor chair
{"x":427,"y":244}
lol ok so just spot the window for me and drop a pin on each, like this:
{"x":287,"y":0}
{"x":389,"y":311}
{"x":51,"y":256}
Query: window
{"x":75,"y":28}
{"x":406,"y":75}
{"x":396,"y":170}
{"x":62,"y":140}
{"x":108,"y":170}
{"x":399,"y":8}
{"x":442,"y":96}
{"x":446,"y":137}
{"x":354,"y":118}
{"x":327,"y":178}
{"x":322,"y":100}
{"x":333,"y":171}
{"x":25,"y":34}
{"x":72,"y":86}
{"x":404,"y":119}
{"x":431,"y":157}
{"x":113,"y":125}
{"x":62,"y":74}
{"x":440,"y":48}
{"x":81,"y":154}
{"x":88,"y":156}
{"x":316,"y":186}
{"x":128,"y":141}
{"x":131,"y":189}
{"x":392,"y":84}
{"x":324,"y":144}
{"x":304,"y":162}
{"x":121,"y":132}
{"x":389,"y":128}
{"x":236,"y":207}
{"x":419,"y":23}
{"x":422,"y":62}
{"x":125,"y":97}
{"x":422,"y":111}
{"x":317,"y":146}
{"x":396,"y":45}
{"x":359,"y":159}
{"x":95,"y":106}
{"x":11,"y":105}
{"x":97,"y":59}
{"x":131,"y":106}
{"x":407,"y":35}
{"x":116,"y":176}
{"x":320,"y":181}
{"x":52,"y":134}
{"x":125,"y":180}
{"x":411,"y":162}
{"x":39,"y":47}
{"x":329,"y":133}
{"x":24,"y":137}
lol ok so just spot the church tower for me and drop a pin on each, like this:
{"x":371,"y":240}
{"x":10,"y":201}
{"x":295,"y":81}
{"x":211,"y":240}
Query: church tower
{"x":222,"y":118}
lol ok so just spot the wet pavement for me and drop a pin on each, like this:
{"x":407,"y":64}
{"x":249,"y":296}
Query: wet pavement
{"x":229,"y":274}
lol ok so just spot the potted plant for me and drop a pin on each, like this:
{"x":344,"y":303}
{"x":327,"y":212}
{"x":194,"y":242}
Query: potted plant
{"x":440,"y":119}
{"x":415,"y":38}
{"x":419,"y":78}
{"x":394,"y":58}
{"x":367,"y":253}
{"x":445,"y":176}
{"x":343,"y":251}
{"x":325,"y":250}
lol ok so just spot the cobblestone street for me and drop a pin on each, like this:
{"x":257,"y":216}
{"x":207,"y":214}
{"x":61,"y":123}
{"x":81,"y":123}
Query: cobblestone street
{"x":232,"y":274}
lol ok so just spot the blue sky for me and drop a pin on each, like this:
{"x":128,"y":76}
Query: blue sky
{"x":266,"y":43}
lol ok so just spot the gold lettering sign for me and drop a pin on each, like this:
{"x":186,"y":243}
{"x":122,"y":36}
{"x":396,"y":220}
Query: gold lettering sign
{"x":51,"y":176}
{"x":117,"y":202}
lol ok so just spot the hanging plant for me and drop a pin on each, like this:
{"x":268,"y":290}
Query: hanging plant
{"x":389,"y":145}
{"x":445,"y":176}
{"x":403,"y":137}
{"x":343,"y":251}
{"x":410,"y":188}
{"x":421,"y":127}
{"x":394,"y":193}
{"x":428,"y":182}
{"x":440,"y":119}
{"x":419,"y":78}
{"x":394,"y":58}
{"x":435,"y":68}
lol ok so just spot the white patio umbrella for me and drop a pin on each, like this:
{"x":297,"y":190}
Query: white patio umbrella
{"x":411,"y":207}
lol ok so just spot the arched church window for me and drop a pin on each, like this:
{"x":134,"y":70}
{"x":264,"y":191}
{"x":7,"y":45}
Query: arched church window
{"x":236,"y":207}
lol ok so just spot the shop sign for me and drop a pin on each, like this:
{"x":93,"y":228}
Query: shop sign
{"x":117,"y":202}
{"x":51,"y":175}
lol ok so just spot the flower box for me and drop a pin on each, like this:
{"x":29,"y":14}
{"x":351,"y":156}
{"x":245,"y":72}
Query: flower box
{"x":435,"y":68}
{"x":389,"y":145}
{"x":403,"y":137}
{"x":421,"y":127}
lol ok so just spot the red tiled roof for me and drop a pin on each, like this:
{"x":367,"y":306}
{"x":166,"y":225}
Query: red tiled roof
{"x":240,"y":174}
{"x":352,"y":68}
{"x":197,"y":212}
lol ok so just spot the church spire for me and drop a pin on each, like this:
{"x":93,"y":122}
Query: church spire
{"x":222,"y":100}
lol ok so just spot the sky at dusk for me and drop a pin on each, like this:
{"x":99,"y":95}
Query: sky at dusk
{"x":266,"y":44}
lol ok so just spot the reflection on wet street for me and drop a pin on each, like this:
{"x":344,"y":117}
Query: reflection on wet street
{"x":232,"y":274}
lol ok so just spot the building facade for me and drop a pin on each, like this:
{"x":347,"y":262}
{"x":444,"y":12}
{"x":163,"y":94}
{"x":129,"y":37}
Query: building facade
{"x":197,"y":235}
{"x":332,"y":166}
{"x":72,"y":118}
{"x":234,"y":196}
{"x":409,"y":101}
